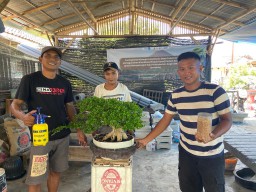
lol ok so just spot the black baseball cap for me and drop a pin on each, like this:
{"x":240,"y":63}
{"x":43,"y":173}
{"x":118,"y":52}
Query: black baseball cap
{"x":110,"y":65}
{"x":48,"y":48}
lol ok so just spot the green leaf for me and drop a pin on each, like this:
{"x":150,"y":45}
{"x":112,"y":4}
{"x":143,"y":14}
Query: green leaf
{"x":94,"y":112}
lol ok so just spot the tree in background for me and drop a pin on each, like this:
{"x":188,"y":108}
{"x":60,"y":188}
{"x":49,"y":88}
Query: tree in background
{"x":241,"y":75}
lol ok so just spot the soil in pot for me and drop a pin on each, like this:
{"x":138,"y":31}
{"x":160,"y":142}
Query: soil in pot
{"x":99,"y":137}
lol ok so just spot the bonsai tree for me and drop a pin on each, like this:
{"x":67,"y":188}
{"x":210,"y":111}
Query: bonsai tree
{"x":94,"y":113}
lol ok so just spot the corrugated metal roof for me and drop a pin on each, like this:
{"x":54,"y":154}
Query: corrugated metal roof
{"x":62,"y":16}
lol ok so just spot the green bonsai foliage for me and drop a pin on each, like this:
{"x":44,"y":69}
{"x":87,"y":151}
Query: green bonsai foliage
{"x":94,"y":112}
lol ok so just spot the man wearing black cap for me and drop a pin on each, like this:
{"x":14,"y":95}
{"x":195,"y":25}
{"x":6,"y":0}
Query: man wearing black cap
{"x":53,"y":93}
{"x":112,"y":88}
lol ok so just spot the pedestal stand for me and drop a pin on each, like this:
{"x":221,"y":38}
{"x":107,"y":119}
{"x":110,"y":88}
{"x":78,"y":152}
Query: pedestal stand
{"x":111,"y":169}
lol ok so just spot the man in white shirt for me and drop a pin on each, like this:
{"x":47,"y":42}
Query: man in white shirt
{"x":112,"y":88}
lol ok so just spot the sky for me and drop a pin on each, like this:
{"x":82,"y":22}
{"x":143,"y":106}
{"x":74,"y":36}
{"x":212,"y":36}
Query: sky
{"x":222,"y":52}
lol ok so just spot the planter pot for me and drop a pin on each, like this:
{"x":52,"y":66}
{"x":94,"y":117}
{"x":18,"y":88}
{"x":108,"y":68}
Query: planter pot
{"x":14,"y":168}
{"x":230,"y":164}
{"x":114,"y":145}
{"x":108,"y":144}
{"x":243,"y":177}
{"x":117,"y":153}
{"x":112,"y":149}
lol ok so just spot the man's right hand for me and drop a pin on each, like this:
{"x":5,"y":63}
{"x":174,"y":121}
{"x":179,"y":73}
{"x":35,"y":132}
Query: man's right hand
{"x":28,"y":119}
{"x":141,"y":143}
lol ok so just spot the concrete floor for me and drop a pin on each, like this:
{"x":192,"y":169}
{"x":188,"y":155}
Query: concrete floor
{"x":152,"y":172}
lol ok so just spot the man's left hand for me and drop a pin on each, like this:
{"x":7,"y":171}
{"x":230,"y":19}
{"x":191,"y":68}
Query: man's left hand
{"x":205,"y":140}
{"x":82,"y":139}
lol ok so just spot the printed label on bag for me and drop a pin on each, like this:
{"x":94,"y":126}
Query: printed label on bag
{"x":23,"y":140}
{"x":111,"y":180}
{"x":39,"y":165}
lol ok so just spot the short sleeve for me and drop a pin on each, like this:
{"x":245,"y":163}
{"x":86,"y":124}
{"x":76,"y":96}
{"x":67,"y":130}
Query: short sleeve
{"x":69,"y":96}
{"x":128,"y":95}
{"x":221,"y":101}
{"x":23,"y":90}
{"x":97,"y":92}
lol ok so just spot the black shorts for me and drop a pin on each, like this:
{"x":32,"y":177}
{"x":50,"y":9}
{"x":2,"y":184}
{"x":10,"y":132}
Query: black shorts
{"x":196,"y":173}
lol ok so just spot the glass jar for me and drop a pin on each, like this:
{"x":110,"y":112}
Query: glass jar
{"x":204,"y":126}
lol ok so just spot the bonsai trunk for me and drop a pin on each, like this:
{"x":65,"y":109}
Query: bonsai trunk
{"x":117,"y":134}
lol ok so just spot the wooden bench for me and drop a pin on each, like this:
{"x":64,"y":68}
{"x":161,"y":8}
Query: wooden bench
{"x":243,"y":147}
{"x":77,"y":152}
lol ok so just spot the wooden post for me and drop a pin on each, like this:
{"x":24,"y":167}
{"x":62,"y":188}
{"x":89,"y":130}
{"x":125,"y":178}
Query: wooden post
{"x":8,"y":103}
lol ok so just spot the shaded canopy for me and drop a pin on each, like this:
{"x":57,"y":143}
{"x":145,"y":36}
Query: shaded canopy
{"x":244,"y":34}
{"x":62,"y":18}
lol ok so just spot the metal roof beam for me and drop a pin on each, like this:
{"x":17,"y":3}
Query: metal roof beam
{"x":141,"y":3}
{"x":80,"y":15}
{"x":43,"y":12}
{"x":153,"y":5}
{"x":70,"y":28}
{"x":3,"y":4}
{"x":31,"y":10}
{"x":8,"y":42}
{"x":191,"y":3}
{"x":60,"y":18}
{"x":49,"y":39}
{"x":34,"y":10}
{"x":167,"y":19}
{"x":215,"y":41}
{"x":142,"y":12}
{"x":177,"y":10}
{"x":214,"y":17}
{"x":194,"y":12}
{"x":80,"y":25}
{"x":210,"y":15}
{"x":73,"y":28}
{"x":88,"y":11}
{"x":246,"y":12}
{"x":26,"y":19}
{"x":190,"y":25}
{"x":232,"y":4}
{"x":197,"y":42}
{"x":123,"y":4}
{"x":41,"y":7}
{"x":124,"y":36}
{"x":68,"y":45}
{"x":132,"y":16}
{"x":163,"y":4}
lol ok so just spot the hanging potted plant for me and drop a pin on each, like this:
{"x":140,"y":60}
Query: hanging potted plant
{"x":109,"y":121}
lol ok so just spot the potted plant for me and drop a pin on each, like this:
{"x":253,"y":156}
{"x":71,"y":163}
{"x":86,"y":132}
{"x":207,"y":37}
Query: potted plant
{"x":108,"y":120}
